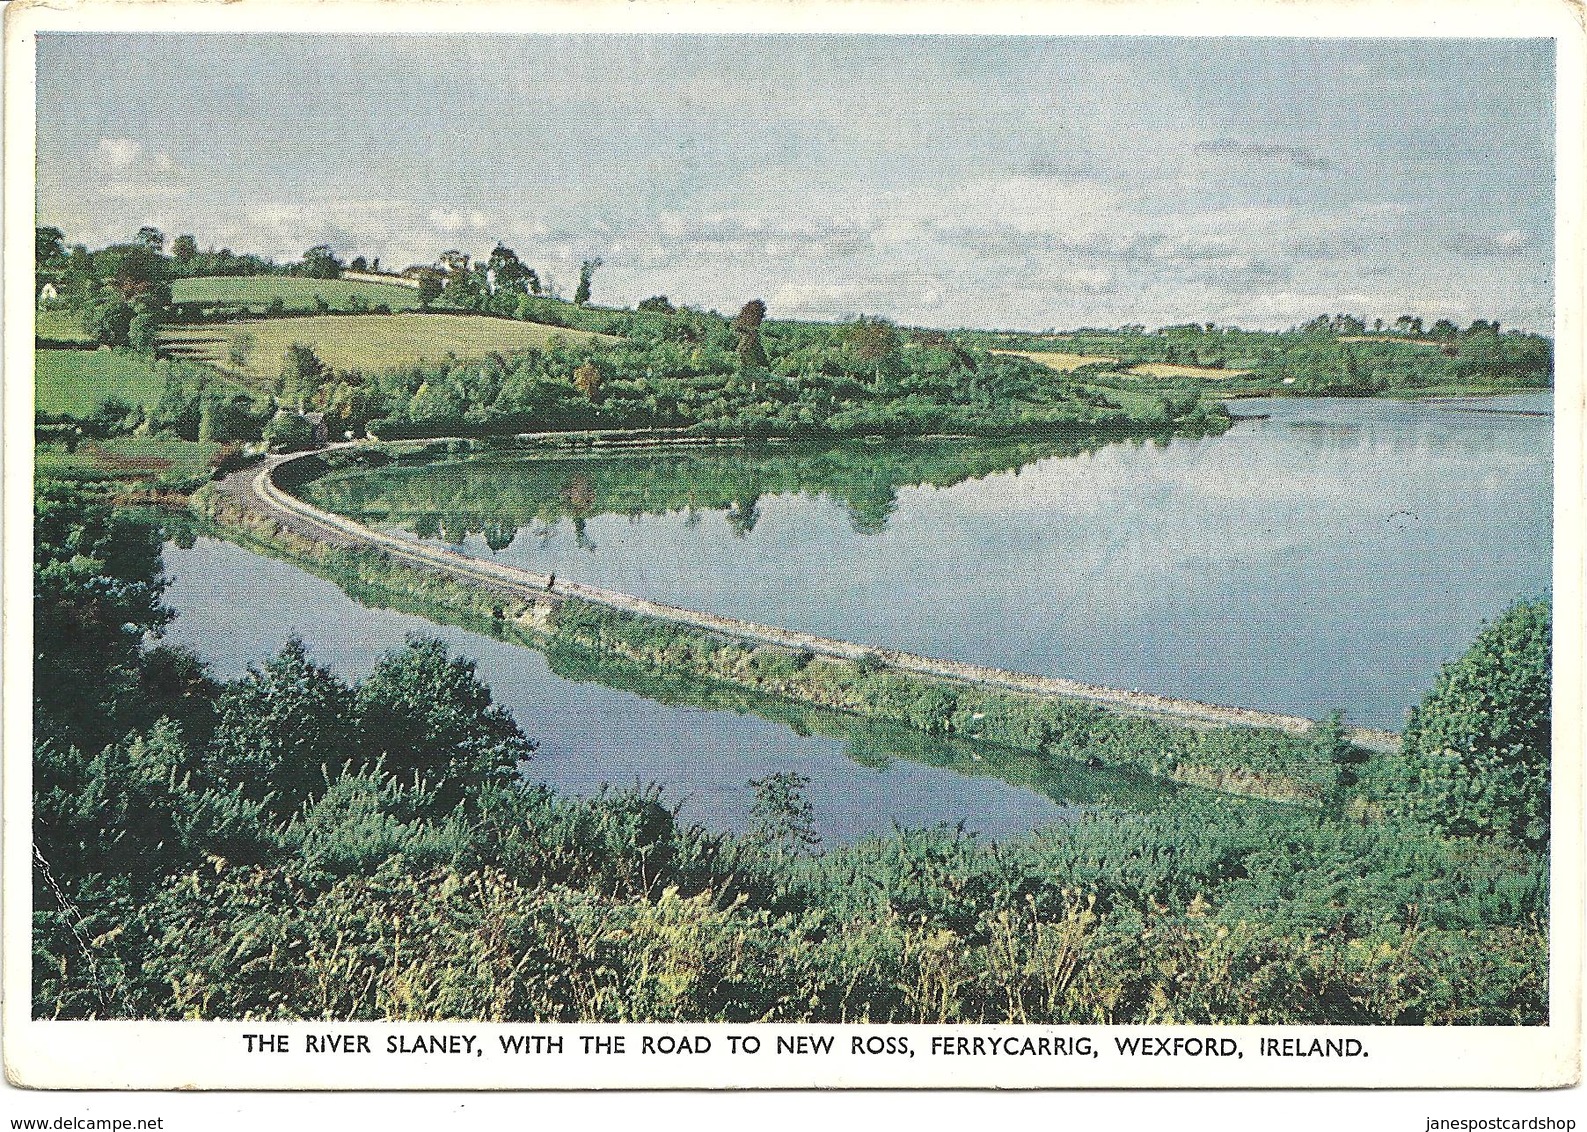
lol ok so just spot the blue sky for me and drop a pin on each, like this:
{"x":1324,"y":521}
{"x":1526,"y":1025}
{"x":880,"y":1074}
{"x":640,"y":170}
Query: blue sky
{"x":1008,"y":182}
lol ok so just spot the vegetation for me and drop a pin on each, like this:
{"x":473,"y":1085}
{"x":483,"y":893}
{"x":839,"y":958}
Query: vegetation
{"x":253,"y":294}
{"x":1476,"y":750}
{"x":356,"y":344}
{"x":1332,"y":355}
{"x":288,"y":845}
{"x":76,"y":383}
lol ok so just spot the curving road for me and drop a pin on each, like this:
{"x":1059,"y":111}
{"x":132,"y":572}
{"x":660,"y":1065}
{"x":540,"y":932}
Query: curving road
{"x":256,"y":489}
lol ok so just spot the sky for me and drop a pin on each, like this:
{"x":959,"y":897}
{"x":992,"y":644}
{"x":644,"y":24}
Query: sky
{"x":946,"y":181}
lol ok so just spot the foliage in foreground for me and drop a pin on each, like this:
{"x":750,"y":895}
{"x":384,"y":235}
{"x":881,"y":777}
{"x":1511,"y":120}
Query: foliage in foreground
{"x":1476,"y":750}
{"x":292,"y":846}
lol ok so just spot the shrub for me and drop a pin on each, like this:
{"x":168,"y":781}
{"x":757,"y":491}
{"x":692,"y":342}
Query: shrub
{"x":1475,"y":754}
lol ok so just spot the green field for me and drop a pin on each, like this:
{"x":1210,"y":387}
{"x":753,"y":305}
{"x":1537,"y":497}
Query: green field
{"x":76,"y":381}
{"x":295,"y":293}
{"x":60,"y":326}
{"x":362,"y":342}
{"x":159,"y":461}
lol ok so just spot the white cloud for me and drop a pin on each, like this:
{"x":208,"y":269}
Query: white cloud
{"x":119,"y":153}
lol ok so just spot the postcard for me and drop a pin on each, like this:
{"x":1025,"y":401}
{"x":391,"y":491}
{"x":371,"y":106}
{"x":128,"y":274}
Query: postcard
{"x":808,"y":546}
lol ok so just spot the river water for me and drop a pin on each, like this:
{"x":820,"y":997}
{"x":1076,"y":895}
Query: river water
{"x":1332,"y":555}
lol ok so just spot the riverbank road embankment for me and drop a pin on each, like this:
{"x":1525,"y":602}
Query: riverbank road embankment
{"x":256,"y":489}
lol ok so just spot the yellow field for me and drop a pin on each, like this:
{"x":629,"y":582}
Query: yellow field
{"x":361,"y":342}
{"x":1063,"y":363}
{"x":1207,"y":373}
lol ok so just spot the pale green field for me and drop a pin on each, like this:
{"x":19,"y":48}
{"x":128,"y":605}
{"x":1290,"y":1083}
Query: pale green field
{"x":1062,"y":363}
{"x":362,"y":342}
{"x":1204,"y":373}
{"x":294,"y":293}
{"x":59,"y":326}
{"x":76,"y":381}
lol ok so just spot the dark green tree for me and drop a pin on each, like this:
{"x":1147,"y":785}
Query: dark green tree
{"x":49,"y":249}
{"x":319,"y":262}
{"x":751,"y":354}
{"x":429,"y":289}
{"x":425,"y":713}
{"x":284,"y":730}
{"x":586,"y":278}
{"x":1475,"y":752}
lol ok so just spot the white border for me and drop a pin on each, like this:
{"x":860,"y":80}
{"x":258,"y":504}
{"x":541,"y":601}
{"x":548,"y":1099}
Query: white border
{"x":209,"y":1054}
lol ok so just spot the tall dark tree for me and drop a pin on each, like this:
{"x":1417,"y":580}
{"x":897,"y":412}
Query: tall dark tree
{"x":185,"y":249}
{"x":49,"y":248}
{"x":586,"y":278}
{"x":751,"y":354}
{"x":151,"y":237}
{"x":429,"y":288}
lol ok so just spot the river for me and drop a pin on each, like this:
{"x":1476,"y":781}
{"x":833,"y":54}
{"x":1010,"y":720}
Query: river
{"x":1331,"y":555}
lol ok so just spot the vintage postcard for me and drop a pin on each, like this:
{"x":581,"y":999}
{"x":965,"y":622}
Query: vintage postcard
{"x":803,"y":546}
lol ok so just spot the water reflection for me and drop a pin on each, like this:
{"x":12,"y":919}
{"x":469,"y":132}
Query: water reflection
{"x":1331,"y":555}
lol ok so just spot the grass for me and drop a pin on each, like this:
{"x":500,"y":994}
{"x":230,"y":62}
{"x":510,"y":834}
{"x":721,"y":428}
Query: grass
{"x":60,"y":326}
{"x":1206,"y":373}
{"x":158,"y":461}
{"x":76,"y":381}
{"x":1062,"y":363}
{"x":363,"y":342}
{"x":296,"y":294}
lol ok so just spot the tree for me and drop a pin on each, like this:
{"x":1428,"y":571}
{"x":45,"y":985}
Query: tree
{"x":588,"y":378}
{"x":429,"y":289}
{"x":586,"y":277}
{"x":185,"y":249}
{"x":277,"y":727}
{"x":143,"y":332}
{"x":238,"y":347}
{"x":426,"y":713}
{"x":151,"y":238}
{"x":506,"y":272}
{"x":109,"y":321}
{"x":358,"y":263}
{"x":751,"y":354}
{"x":658,"y":304}
{"x":873,"y":338}
{"x":301,"y":372}
{"x":783,"y":818}
{"x":49,"y":248}
{"x":1475,"y":752}
{"x":288,"y":432}
{"x":319,"y":262}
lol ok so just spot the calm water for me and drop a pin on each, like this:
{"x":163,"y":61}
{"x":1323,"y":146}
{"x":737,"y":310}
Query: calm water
{"x":235,"y":609}
{"x":1331,"y":556}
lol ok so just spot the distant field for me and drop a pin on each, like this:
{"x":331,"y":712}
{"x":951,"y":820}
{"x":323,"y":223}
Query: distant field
{"x":295,"y":293}
{"x":76,"y":381}
{"x":362,"y":342}
{"x":1063,"y":363}
{"x":1388,"y":338}
{"x":60,"y":326}
{"x":1207,"y":373}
